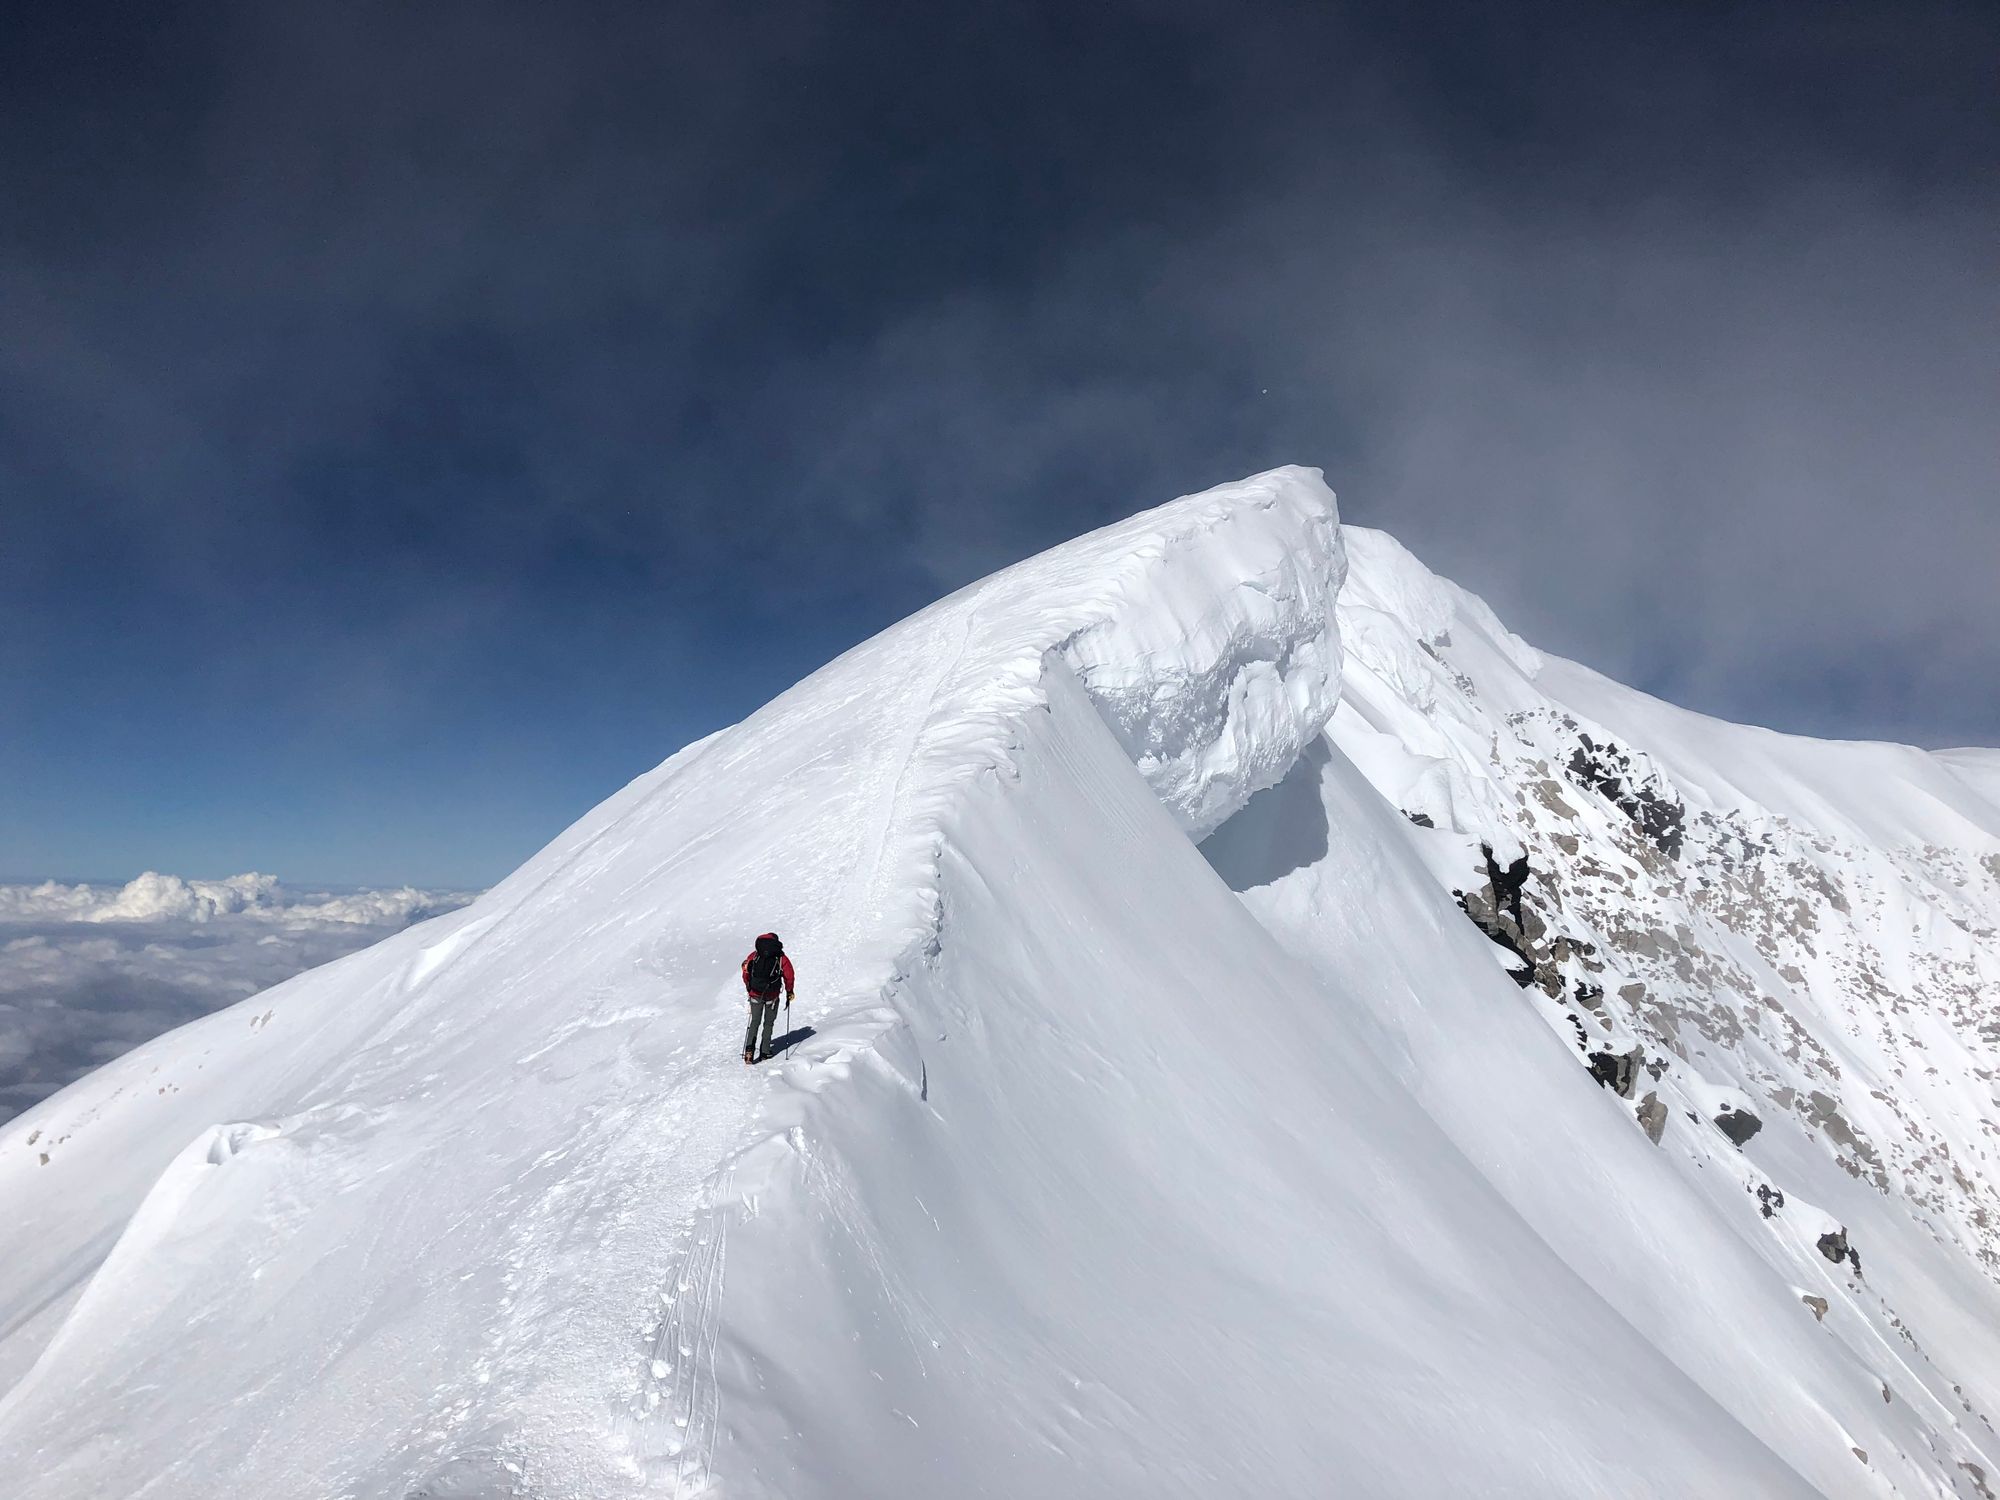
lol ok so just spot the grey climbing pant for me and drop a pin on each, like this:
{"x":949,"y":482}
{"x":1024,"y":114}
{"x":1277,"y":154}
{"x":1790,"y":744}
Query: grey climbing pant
{"x":762,"y":1014}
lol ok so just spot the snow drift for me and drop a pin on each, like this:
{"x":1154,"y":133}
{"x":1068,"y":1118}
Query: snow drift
{"x":1157,"y":1122}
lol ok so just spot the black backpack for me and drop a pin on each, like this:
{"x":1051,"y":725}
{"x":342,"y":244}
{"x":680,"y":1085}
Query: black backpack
{"x":766,"y":973}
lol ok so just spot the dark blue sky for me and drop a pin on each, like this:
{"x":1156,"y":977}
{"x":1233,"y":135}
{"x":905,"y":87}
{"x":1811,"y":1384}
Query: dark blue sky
{"x":415,"y":420}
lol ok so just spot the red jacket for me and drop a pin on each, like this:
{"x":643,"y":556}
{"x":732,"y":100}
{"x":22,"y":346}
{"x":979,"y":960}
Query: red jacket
{"x":784,"y":965}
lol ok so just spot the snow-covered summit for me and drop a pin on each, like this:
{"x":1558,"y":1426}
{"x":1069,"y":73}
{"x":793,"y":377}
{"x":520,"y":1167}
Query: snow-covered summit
{"x":1103,"y":1161}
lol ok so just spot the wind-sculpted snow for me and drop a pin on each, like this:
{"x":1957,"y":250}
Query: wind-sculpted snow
{"x":1213,"y":691}
{"x":1099,"y":1164}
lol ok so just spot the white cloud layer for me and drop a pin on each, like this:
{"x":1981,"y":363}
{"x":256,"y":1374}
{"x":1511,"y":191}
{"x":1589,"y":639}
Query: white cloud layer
{"x":90,"y":971}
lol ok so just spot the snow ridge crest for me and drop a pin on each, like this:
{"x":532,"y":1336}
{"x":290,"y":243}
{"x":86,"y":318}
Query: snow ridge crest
{"x":1203,"y":630}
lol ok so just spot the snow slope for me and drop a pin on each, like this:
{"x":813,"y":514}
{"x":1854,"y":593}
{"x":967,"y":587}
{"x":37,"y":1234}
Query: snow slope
{"x":1158,"y":1124}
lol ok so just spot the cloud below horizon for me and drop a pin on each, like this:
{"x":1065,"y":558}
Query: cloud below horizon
{"x":89,"y":971}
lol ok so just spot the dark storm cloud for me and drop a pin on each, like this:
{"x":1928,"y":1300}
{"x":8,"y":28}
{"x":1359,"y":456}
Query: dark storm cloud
{"x":1721,"y":452}
{"x":390,"y":375}
{"x":392,"y":244}
{"x":1679,"y":346}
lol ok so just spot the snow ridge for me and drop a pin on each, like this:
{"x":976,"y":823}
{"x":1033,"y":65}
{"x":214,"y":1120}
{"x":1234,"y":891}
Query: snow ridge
{"x":554,"y":1060}
{"x":1259,"y":1021}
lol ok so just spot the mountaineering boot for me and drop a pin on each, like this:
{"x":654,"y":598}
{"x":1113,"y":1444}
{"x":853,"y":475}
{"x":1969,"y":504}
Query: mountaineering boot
{"x":749,"y":1056}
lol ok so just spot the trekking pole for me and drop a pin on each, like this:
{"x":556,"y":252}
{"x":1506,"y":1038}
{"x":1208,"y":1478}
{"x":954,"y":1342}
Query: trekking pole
{"x":791,"y":1041}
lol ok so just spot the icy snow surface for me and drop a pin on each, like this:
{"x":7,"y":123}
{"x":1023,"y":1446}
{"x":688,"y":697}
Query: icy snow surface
{"x":1102,"y":1163}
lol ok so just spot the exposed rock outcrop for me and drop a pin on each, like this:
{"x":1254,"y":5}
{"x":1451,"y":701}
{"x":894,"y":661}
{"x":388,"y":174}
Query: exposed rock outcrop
{"x":1617,"y":1071}
{"x":1739,"y":1125}
{"x":1833,"y":1245}
{"x":1496,"y":911}
{"x":1652,"y":1117}
{"x":1608,"y":770}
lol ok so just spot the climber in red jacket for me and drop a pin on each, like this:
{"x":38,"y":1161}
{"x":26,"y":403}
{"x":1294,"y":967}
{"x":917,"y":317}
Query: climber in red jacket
{"x":766,"y":972}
